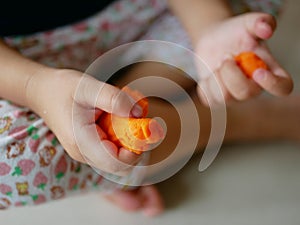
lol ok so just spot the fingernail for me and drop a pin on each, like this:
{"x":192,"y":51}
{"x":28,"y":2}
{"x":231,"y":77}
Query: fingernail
{"x":265,"y":30}
{"x":137,"y":111}
{"x":263,"y":25}
{"x":259,"y":75}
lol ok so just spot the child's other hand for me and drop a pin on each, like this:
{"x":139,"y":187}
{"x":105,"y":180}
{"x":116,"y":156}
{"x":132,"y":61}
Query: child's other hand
{"x":66,"y":100}
{"x":220,"y":43}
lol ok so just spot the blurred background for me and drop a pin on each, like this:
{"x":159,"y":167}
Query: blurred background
{"x":246,"y":184}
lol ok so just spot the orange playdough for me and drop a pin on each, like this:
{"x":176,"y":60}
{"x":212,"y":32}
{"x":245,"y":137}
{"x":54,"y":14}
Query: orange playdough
{"x":249,"y":62}
{"x":134,"y":134}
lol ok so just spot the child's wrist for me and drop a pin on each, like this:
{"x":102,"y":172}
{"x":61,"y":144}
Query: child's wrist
{"x":198,"y":16}
{"x":35,"y":86}
{"x":196,"y":32}
{"x":50,"y":88}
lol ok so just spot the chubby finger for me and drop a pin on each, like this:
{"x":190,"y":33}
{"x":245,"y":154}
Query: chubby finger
{"x":212,"y":91}
{"x":128,"y":157}
{"x":260,"y":25}
{"x":274,"y":84}
{"x":98,"y":152}
{"x":280,"y":83}
{"x":236,"y":83}
{"x":93,"y":93}
{"x":115,"y":101}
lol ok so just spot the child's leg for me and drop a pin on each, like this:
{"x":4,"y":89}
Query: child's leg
{"x":34,"y":168}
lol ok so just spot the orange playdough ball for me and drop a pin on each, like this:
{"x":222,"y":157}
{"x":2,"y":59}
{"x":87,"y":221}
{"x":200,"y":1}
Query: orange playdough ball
{"x":134,"y":134}
{"x":249,"y":62}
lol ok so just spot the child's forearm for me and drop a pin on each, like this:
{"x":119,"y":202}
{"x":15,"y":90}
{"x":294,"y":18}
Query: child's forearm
{"x":198,"y":15}
{"x":15,"y":73}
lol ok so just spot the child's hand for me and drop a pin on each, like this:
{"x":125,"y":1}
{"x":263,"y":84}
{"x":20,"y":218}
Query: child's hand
{"x":66,"y":100}
{"x":217,"y":47}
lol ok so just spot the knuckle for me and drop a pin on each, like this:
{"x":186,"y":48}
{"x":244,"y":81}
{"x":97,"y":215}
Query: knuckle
{"x":118,"y":98}
{"x":113,"y":100}
{"x":244,"y":94}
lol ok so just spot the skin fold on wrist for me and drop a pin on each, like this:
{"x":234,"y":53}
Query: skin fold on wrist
{"x":208,"y":13}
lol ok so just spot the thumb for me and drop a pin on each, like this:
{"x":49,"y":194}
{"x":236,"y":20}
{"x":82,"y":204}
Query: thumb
{"x":96,"y":94}
{"x":260,"y":25}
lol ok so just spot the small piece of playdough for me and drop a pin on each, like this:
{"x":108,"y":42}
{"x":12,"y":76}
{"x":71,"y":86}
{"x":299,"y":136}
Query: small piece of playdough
{"x":134,"y":134}
{"x":249,"y":62}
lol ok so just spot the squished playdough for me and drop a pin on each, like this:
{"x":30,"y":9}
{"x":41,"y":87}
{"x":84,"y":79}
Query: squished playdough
{"x":134,"y":134}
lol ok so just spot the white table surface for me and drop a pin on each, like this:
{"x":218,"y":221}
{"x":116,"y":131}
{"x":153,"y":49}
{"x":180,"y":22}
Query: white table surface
{"x":253,"y":184}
